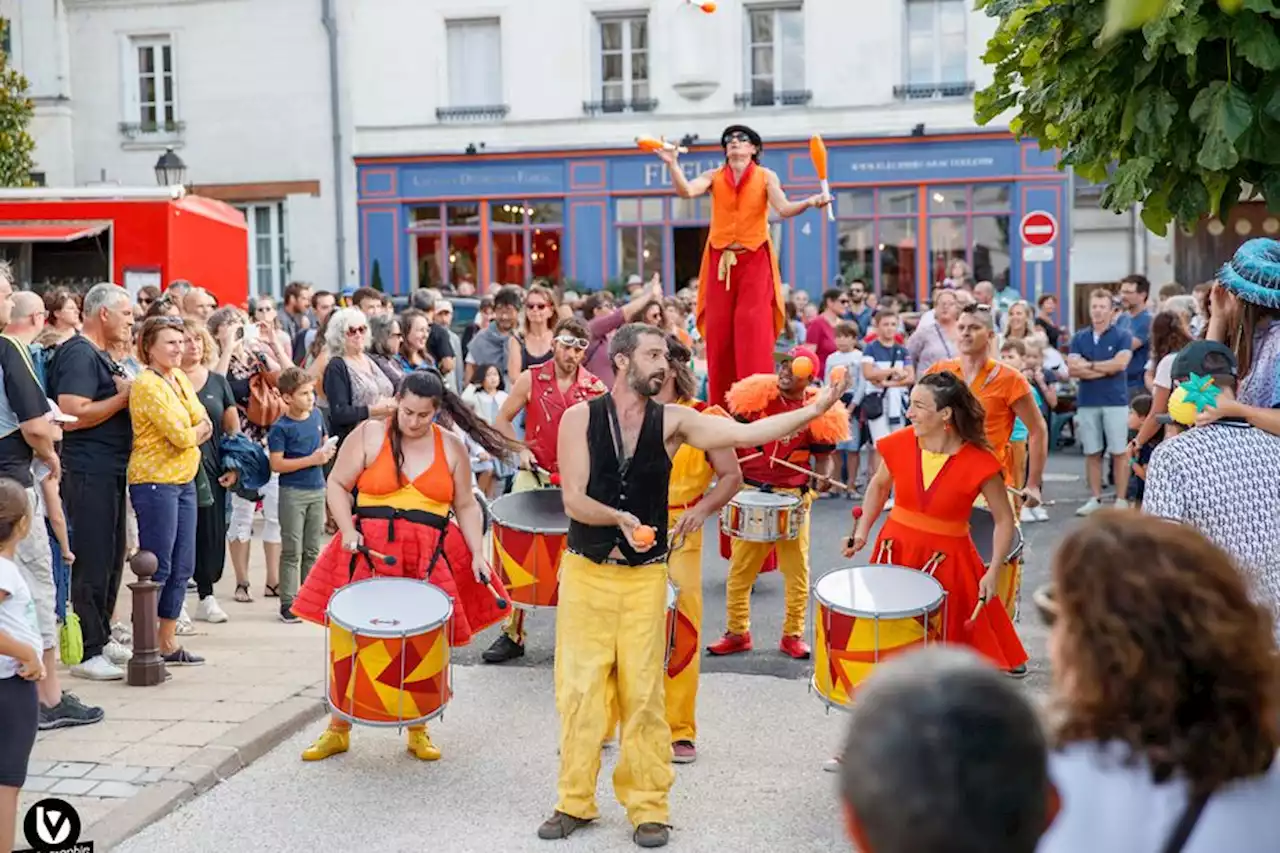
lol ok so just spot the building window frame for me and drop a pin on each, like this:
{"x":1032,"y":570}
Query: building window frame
{"x":267,"y":277}
{"x":157,"y":117}
{"x":530,"y":225}
{"x":938,"y":82}
{"x":627,"y":93}
{"x":776,"y":87}
{"x":459,"y":102}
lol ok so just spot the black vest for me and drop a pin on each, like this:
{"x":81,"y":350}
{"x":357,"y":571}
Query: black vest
{"x":641,"y":490}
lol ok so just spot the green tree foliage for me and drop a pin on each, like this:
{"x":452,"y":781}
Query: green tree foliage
{"x":16,"y":109}
{"x":1175,"y":103}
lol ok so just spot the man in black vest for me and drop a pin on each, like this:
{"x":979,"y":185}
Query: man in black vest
{"x":613,"y":577}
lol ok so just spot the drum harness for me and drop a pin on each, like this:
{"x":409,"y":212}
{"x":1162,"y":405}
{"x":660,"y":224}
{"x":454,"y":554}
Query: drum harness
{"x":414,"y":516}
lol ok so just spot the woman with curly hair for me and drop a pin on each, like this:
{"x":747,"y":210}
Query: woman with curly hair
{"x":1166,"y":680}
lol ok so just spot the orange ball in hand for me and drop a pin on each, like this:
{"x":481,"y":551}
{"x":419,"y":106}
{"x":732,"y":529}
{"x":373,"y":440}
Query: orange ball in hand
{"x":644,"y":536}
{"x":837,"y":374}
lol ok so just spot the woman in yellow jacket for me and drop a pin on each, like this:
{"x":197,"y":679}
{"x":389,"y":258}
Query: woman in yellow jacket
{"x":169,"y":424}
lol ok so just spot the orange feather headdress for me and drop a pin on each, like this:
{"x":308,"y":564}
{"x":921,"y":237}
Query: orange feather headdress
{"x":752,"y":396}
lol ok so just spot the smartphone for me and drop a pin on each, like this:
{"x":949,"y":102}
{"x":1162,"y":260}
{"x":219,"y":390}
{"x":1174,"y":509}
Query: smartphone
{"x":250,"y":333}
{"x":331,"y":441}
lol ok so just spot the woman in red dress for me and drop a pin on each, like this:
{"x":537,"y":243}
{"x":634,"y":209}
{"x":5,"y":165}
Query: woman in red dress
{"x":394,"y":488}
{"x":935,"y":469}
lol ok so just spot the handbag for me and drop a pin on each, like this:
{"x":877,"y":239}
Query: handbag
{"x":265,"y":403}
{"x":204,"y":492}
{"x":873,"y":403}
{"x":70,"y":638}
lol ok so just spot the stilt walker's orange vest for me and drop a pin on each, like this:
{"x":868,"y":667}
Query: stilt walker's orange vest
{"x":739,"y":215}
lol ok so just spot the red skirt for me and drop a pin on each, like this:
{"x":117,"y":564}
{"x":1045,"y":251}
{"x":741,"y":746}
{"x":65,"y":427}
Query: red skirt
{"x":474,"y":608}
{"x":959,"y":571}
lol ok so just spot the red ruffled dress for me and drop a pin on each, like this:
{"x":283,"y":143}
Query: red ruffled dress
{"x":928,"y":528}
{"x":407,"y":521}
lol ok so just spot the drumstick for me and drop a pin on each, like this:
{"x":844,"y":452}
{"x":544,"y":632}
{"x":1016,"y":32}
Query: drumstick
{"x":814,"y":474}
{"x":497,"y":597}
{"x":973,"y":619}
{"x":385,"y":559}
{"x":1019,"y":493}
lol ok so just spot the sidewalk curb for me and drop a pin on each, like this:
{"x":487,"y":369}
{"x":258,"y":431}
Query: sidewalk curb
{"x":218,"y":761}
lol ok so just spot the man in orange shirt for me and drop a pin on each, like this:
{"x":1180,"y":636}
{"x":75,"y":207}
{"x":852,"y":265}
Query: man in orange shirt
{"x":1004,"y":392}
{"x":740,"y":311}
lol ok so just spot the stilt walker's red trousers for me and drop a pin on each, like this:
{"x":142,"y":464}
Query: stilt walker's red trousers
{"x":739,"y":317}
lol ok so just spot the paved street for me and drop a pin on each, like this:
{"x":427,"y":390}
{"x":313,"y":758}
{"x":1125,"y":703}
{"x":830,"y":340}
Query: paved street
{"x":762,"y":739}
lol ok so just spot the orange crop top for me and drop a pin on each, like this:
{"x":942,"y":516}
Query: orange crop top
{"x":431,"y":491}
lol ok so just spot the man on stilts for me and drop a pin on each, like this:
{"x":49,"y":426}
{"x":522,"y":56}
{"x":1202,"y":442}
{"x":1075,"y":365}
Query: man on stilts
{"x":740,"y":309}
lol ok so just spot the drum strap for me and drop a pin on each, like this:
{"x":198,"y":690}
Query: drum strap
{"x":768,"y":487}
{"x":392,"y":515}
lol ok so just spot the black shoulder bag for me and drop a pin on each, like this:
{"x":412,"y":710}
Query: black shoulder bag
{"x":872,"y":406}
{"x":1186,"y":824}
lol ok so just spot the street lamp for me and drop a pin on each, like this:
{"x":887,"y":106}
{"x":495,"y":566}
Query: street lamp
{"x":170,"y":170}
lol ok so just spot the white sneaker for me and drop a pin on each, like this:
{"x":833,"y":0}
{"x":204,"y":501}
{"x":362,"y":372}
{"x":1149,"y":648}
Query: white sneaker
{"x":185,"y":628}
{"x":116,"y":653}
{"x":207,"y":610}
{"x":122,"y":634}
{"x":1026,"y":516}
{"x":1121,"y":503}
{"x":1040,"y":513}
{"x":1090,"y":507}
{"x":98,"y":669}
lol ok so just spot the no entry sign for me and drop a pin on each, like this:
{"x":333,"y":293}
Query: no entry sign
{"x":1039,"y":228}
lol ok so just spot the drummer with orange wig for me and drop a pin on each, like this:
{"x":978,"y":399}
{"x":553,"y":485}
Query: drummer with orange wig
{"x":395,"y":490}
{"x":750,"y":399}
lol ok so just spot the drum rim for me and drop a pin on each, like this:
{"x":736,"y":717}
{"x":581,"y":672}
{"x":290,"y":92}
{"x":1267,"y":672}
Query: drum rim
{"x":827,"y":700}
{"x":887,"y":615}
{"x":496,"y":521}
{"x":385,"y":633}
{"x":387,"y":724}
{"x":794,"y":499}
{"x":1019,"y":542}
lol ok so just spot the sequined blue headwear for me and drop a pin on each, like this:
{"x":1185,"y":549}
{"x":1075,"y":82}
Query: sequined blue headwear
{"x":1254,"y":273}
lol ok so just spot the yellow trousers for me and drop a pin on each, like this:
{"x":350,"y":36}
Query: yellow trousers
{"x":745,"y":561}
{"x":611,"y":623}
{"x":513,"y":627}
{"x":685,"y":566}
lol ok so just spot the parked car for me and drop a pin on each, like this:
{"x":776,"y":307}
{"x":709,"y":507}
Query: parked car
{"x":465,"y":309}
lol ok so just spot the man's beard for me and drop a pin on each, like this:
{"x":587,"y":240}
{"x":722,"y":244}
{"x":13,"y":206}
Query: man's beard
{"x":645,"y":386}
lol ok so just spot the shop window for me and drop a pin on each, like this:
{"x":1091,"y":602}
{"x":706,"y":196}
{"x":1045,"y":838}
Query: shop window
{"x":623,"y":66}
{"x":463,"y":215}
{"x":525,"y":241}
{"x":877,"y":237}
{"x":691,"y":209}
{"x":936,"y":55}
{"x":970,"y":223}
{"x":775,"y":55}
{"x":475,"y":66}
{"x":268,"y":247}
{"x":647,"y":209}
{"x":640,"y":250}
{"x":463,"y":259}
{"x":151,"y":89}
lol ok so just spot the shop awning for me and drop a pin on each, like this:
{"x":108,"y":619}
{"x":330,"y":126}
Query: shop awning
{"x":49,"y":232}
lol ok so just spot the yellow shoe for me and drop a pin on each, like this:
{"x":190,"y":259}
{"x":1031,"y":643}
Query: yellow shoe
{"x":330,"y":743}
{"x":421,"y":746}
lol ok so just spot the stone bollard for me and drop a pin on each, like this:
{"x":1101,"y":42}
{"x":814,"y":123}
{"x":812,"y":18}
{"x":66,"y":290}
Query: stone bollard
{"x":146,"y":667}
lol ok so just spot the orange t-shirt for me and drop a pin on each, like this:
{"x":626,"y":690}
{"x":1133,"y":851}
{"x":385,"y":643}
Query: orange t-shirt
{"x":997,"y":387}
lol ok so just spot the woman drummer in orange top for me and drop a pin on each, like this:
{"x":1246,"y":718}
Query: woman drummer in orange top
{"x":408,"y":475}
{"x":936,"y":468}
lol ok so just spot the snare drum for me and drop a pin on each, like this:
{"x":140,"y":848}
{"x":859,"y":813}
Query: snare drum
{"x":865,"y":615}
{"x":388,"y":652}
{"x":756,"y":516}
{"x":529,"y":532}
{"x":981,"y":526}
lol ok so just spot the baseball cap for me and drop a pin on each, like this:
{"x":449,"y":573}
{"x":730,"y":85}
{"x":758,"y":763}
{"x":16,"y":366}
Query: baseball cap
{"x":634,"y":279}
{"x":1205,"y":358}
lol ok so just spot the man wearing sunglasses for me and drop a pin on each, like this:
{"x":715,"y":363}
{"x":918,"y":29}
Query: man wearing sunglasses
{"x":544,"y":392}
{"x":740,"y":301}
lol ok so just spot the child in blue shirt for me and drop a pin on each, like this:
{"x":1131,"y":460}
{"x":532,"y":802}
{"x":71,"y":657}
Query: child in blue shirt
{"x":299,"y":452}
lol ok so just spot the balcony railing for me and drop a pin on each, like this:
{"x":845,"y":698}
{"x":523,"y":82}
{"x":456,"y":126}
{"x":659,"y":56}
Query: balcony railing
{"x":927,"y":91}
{"x":595,"y":108}
{"x":142,"y":130}
{"x":773,"y":99}
{"x":491,"y":112}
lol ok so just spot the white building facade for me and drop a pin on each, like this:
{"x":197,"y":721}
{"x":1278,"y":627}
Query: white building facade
{"x":493,"y":140}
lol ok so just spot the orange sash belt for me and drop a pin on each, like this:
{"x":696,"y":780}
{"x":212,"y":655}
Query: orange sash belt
{"x":927,"y":523}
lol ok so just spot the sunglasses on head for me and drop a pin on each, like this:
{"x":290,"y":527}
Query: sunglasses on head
{"x":176,"y":322}
{"x":571,"y":341}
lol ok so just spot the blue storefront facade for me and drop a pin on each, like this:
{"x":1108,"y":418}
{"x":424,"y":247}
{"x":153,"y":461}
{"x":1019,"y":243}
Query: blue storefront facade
{"x":905,"y":207}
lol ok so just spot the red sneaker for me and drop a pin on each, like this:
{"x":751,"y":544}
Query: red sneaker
{"x":794,"y":647}
{"x":731,"y":644}
{"x":684,"y":752}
